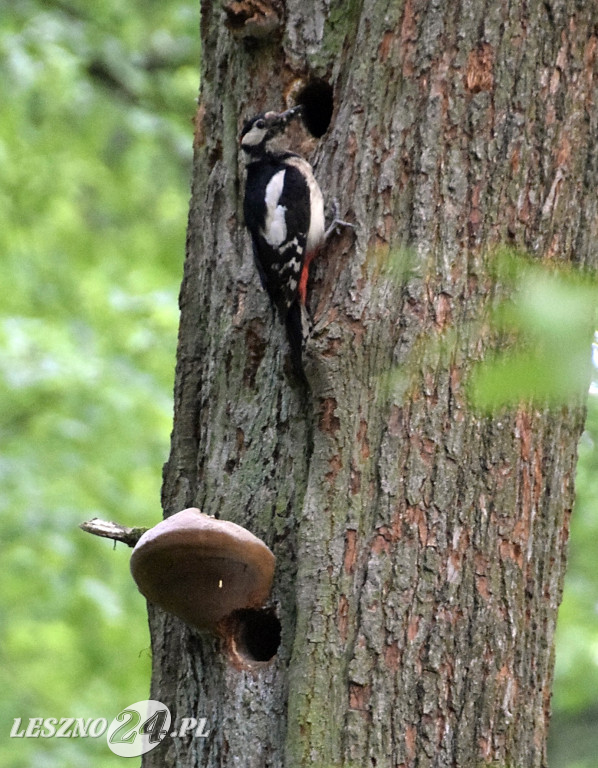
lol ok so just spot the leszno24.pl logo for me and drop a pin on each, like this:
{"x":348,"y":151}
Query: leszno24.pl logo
{"x":133,"y":732}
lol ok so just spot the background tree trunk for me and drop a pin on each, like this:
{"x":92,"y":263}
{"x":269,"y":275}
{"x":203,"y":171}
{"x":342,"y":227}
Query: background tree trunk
{"x":420,"y":547}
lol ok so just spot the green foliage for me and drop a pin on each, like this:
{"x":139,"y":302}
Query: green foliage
{"x":576,"y":675}
{"x":94,"y":175}
{"x":543,"y":333}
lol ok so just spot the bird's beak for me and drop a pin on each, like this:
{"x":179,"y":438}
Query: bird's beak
{"x":290,"y":114}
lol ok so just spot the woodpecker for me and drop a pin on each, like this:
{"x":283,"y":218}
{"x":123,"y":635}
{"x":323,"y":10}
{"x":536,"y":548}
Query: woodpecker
{"x":284,"y":212}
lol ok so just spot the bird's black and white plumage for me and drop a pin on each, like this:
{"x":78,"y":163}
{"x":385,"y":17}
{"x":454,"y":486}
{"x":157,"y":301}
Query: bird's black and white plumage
{"x":284,"y":212}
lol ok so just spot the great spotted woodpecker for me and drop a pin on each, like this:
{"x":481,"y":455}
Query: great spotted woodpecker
{"x":284,"y":212}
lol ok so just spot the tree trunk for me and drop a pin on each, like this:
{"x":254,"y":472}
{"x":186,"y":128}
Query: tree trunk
{"x":420,"y":546}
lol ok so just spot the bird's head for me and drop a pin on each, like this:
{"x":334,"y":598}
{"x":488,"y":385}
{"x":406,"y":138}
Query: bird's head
{"x":262,"y":128}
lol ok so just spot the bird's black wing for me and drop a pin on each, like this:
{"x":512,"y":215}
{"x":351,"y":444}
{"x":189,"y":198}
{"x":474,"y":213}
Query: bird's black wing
{"x":279,"y":251}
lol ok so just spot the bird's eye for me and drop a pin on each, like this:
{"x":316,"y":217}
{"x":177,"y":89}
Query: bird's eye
{"x":260,"y":124}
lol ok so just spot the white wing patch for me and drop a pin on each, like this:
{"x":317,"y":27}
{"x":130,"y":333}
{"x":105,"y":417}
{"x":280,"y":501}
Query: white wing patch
{"x":275,"y":228}
{"x":317,"y":224}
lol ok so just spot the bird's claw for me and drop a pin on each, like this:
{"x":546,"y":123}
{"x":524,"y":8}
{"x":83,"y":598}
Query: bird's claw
{"x":337,"y":223}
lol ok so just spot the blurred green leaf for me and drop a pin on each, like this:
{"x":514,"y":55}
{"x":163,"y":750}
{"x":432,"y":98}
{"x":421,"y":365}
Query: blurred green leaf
{"x":543,"y":334}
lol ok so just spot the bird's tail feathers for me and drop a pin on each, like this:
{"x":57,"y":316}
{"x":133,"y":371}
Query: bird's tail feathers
{"x":299,"y":327}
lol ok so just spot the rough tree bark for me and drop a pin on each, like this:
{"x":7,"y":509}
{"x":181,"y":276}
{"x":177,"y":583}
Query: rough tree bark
{"x":420,"y":546}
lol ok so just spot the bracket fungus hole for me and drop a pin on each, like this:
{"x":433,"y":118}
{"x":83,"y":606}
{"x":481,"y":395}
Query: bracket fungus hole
{"x":252,"y":636}
{"x":318,"y":103}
